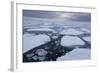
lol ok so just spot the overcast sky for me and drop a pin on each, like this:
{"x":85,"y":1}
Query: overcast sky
{"x":76,"y":16}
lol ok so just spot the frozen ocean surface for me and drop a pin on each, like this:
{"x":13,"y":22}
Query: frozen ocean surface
{"x":85,"y":30}
{"x":30,"y":41}
{"x":71,"y":41}
{"x":71,"y":32}
{"x":41,"y":29}
{"x":76,"y":54}
{"x":88,"y":39}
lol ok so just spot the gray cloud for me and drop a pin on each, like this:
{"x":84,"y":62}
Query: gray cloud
{"x":75,"y":16}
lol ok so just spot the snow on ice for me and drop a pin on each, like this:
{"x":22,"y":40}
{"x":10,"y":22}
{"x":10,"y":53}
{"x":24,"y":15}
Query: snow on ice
{"x":76,"y":54}
{"x":30,"y":41}
{"x":71,"y":41}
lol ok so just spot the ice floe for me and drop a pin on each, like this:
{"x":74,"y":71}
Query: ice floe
{"x":41,"y":29}
{"x":41,"y":52}
{"x":71,"y":32}
{"x":76,"y":54}
{"x":30,"y":41}
{"x":71,"y":41}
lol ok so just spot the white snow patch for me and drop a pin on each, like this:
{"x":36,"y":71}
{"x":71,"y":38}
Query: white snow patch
{"x":30,"y":41}
{"x":71,"y":32}
{"x":76,"y":54}
{"x":71,"y":41}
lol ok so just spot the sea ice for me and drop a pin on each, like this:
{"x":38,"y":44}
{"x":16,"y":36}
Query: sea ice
{"x":71,"y":41}
{"x":88,"y":38}
{"x":76,"y":54}
{"x":71,"y":32}
{"x":30,"y":41}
